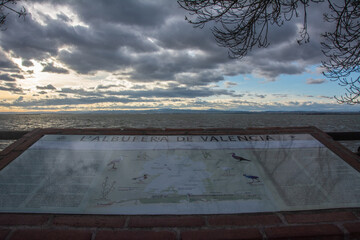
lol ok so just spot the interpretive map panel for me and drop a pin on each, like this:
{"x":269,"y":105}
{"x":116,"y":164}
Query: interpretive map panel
{"x":166,"y":174}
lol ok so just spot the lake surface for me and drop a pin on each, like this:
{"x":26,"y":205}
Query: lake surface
{"x":325,"y":122}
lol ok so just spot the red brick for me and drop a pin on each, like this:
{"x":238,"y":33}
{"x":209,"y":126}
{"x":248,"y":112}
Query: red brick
{"x":28,"y":143}
{"x":117,"y":235}
{"x":106,"y":132}
{"x":245,"y":233}
{"x":49,"y":234}
{"x":244,"y":220}
{"x":23,"y":219}
{"x":353,"y":229}
{"x":31,"y":133}
{"x":167,"y":221}
{"x":44,"y":131}
{"x":11,"y":147}
{"x":319,"y":217}
{"x":309,"y":231}
{"x":90,"y":221}
{"x":4,"y":233}
{"x":70,"y":131}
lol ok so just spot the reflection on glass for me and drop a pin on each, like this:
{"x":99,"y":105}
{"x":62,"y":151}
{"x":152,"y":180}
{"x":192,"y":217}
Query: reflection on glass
{"x":177,"y":175}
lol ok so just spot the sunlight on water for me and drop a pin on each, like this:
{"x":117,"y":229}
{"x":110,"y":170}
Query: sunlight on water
{"x":335,"y":122}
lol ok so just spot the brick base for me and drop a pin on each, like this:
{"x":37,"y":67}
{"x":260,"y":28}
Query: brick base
{"x":322,"y":224}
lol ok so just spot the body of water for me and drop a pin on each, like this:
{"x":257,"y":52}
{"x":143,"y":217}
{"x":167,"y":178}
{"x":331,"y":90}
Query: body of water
{"x":325,"y":122}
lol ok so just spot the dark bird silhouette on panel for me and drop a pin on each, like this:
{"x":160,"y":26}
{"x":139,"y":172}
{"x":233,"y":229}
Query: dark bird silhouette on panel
{"x":253,"y":178}
{"x":239,"y":158}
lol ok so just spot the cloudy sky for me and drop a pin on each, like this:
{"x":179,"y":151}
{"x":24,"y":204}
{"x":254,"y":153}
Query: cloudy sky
{"x":142,"y":54}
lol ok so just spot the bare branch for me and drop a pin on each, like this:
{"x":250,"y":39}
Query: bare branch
{"x":244,"y":24}
{"x":6,"y":7}
{"x":342,"y":49}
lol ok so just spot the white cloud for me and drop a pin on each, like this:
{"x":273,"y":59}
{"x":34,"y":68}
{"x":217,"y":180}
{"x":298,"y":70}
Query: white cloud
{"x":229,"y":84}
{"x":315,"y":81}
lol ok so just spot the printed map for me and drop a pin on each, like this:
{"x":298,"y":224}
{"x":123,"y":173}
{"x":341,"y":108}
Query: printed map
{"x":177,"y":175}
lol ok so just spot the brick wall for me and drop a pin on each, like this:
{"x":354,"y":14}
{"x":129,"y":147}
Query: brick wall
{"x":328,"y":224}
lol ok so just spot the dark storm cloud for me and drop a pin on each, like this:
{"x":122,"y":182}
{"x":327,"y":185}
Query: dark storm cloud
{"x":79,"y":92}
{"x":109,"y":47}
{"x":315,"y":81}
{"x":112,"y":46}
{"x":289,"y":52}
{"x":11,"y":87}
{"x":326,"y":97}
{"x":179,"y":66}
{"x":138,"y":87}
{"x":6,"y":64}
{"x":18,"y":76}
{"x":92,"y":60}
{"x":284,"y":55}
{"x":7,"y":77}
{"x":230,"y":84}
{"x":281,"y":95}
{"x":107,"y":36}
{"x":47,"y":87}
{"x":200,"y":78}
{"x":63,"y":17}
{"x":49,"y":67}
{"x":27,"y":63}
{"x":99,"y":87}
{"x":175,"y":91}
{"x":19,"y":99}
{"x":270,"y":70}
{"x":260,"y":95}
{"x":153,"y":42}
{"x":129,"y":12}
{"x":71,"y":101}
{"x":177,"y":34}
{"x":28,"y":39}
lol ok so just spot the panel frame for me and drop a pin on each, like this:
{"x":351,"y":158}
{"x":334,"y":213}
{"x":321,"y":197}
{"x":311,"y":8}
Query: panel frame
{"x":14,"y":150}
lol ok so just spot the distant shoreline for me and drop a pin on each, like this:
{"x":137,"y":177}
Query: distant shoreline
{"x":171,"y":111}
